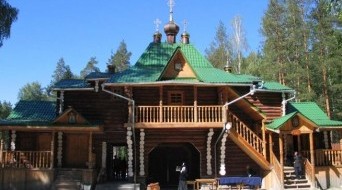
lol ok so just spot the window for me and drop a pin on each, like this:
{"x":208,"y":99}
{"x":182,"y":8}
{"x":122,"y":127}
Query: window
{"x":72,"y":118}
{"x":175,"y":98}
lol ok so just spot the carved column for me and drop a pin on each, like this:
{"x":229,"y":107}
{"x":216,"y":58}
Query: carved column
{"x":104,"y":155}
{"x":13,"y":137}
{"x":223,"y":154}
{"x":130,"y":151}
{"x":59,"y":149}
{"x":281,"y":156}
{"x":209,"y":156}
{"x":142,"y":149}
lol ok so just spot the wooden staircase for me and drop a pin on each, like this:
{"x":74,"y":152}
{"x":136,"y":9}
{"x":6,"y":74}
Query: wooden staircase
{"x":290,"y":181}
{"x":249,"y":142}
{"x":67,"y":179}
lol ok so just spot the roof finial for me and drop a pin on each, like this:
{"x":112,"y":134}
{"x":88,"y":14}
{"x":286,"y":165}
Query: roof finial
{"x":157,"y":22}
{"x":185,"y":23}
{"x":171,"y":4}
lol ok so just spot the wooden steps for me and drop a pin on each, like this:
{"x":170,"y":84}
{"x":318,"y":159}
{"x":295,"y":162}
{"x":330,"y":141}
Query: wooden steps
{"x":67,"y":180}
{"x":290,"y":181}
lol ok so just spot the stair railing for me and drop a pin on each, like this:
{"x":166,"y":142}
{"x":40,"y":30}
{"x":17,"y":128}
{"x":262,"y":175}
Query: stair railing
{"x":277,"y":167}
{"x":309,"y":171}
{"x":248,"y":135}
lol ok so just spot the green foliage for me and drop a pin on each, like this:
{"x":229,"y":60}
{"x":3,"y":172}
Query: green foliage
{"x":121,"y":58}
{"x":5,"y":109}
{"x":220,"y":49}
{"x":61,"y":72}
{"x":8,"y":15}
{"x":90,"y":67}
{"x":32,"y":91}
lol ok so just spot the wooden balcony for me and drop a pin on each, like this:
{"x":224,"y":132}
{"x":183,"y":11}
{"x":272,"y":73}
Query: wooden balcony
{"x":179,"y":116}
{"x":326,"y":157}
{"x":26,"y":159}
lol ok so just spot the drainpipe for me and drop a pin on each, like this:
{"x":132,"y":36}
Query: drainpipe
{"x":228,"y":125}
{"x":284,"y":102}
{"x":133,"y":127}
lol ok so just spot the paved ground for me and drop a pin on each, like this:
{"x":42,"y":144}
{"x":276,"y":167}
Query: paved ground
{"x":123,"y":186}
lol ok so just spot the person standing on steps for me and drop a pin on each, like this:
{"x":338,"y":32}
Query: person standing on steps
{"x":182,"y":178}
{"x":298,"y":164}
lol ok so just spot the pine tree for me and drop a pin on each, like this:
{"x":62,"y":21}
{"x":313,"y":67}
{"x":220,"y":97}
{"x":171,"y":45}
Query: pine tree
{"x":5,"y":109}
{"x":8,"y":15}
{"x":220,"y":49}
{"x":121,"y":58}
{"x":90,"y":67}
{"x":273,"y":29}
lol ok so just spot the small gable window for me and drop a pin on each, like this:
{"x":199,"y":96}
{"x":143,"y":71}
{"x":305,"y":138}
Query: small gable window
{"x":175,"y":98}
{"x":71,"y":118}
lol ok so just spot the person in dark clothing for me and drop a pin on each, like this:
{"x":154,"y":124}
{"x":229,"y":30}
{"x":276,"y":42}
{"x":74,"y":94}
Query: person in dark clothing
{"x":298,"y":164}
{"x":182,"y":178}
{"x":250,"y":171}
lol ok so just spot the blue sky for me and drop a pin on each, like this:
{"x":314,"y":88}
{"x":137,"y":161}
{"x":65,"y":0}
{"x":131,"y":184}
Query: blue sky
{"x":77,"y":30}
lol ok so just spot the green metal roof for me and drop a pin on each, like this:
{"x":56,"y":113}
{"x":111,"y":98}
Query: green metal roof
{"x":31,"y":113}
{"x":156,"y":57}
{"x":310,"y":110}
{"x":71,"y":83}
{"x":271,"y":85}
{"x":314,"y":113}
{"x":277,"y":123}
{"x":97,"y":75}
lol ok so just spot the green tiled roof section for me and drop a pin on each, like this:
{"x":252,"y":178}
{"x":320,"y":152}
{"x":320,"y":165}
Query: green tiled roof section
{"x":214,"y":75}
{"x":72,"y":83}
{"x":277,"y":123}
{"x":137,"y":74}
{"x":31,"y":112}
{"x":313,"y":112}
{"x":151,"y":65}
{"x":95,"y":75}
{"x":157,"y":54}
{"x":271,"y":85}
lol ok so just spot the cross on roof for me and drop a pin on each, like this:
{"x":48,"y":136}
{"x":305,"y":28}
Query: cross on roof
{"x":185,"y":23}
{"x":171,"y":4}
{"x":157,"y":22}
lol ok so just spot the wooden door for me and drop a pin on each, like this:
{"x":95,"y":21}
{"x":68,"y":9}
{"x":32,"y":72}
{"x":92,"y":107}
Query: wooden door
{"x":75,"y":154}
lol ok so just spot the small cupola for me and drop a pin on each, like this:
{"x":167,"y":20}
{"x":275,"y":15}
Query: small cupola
{"x":157,"y":35}
{"x":185,"y":36}
{"x":171,"y":29}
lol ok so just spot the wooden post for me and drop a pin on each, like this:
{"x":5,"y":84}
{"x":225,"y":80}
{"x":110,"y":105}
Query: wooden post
{"x":270,"y":145}
{"x":90,"y":159}
{"x":281,"y":156}
{"x":160,"y":104}
{"x":263,"y":130}
{"x":195,"y":104}
{"x":299,"y":144}
{"x":52,"y":159}
{"x":312,"y":158}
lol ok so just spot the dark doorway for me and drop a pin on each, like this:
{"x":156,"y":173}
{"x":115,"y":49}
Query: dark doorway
{"x":116,"y":162}
{"x":164,"y":158}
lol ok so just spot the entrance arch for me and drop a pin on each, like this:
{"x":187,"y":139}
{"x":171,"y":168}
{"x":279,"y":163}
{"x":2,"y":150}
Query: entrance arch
{"x":164,"y":158}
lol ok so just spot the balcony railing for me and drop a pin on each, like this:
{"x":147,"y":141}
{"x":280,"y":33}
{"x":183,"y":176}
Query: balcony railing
{"x":179,"y":114}
{"x":25,"y":159}
{"x":325,"y":157}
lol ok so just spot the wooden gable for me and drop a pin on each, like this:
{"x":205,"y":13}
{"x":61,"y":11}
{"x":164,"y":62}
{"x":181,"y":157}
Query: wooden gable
{"x":178,"y":67}
{"x":298,"y":124}
{"x":71,"y":117}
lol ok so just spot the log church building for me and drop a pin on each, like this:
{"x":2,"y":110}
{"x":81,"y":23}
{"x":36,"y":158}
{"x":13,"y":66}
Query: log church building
{"x":172,"y":106}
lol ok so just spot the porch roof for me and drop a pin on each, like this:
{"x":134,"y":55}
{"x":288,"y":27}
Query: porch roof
{"x":31,"y":113}
{"x":309,"y":110}
{"x":35,"y":115}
